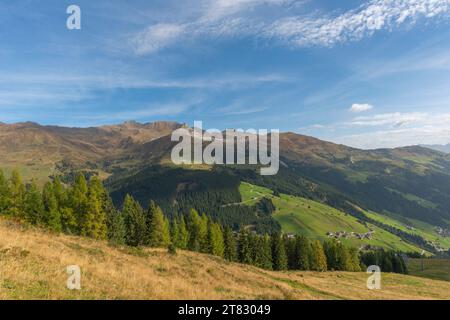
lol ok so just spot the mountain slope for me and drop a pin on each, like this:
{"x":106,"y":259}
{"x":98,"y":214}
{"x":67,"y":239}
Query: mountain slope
{"x":316,"y":220}
{"x":33,"y":266}
{"x":410,"y":185}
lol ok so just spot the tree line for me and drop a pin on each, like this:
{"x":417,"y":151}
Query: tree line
{"x":85,"y":208}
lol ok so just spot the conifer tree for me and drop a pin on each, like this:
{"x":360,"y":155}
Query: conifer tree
{"x":5,"y":197}
{"x":60,"y":193}
{"x":174,"y":231}
{"x":332,"y":253}
{"x":244,"y":249}
{"x":78,"y":199}
{"x":194,"y":227}
{"x":318,"y":258}
{"x":230,"y":252}
{"x":354,"y":260}
{"x":290,"y":245}
{"x":302,"y":253}
{"x":69,"y":221}
{"x":52,"y":217}
{"x":183,"y":236}
{"x":203,"y":233}
{"x":34,"y":206}
{"x":263,"y":252}
{"x":158,"y":233}
{"x":117,"y":231}
{"x":135,"y":222}
{"x":344,"y":258}
{"x":279,"y":257}
{"x":215,"y":239}
{"x":17,"y":195}
{"x":94,"y":219}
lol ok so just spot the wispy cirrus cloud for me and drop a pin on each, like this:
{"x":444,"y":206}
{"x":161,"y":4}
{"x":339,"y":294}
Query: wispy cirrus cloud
{"x":239,"y":18}
{"x":356,"y":24}
{"x":396,"y":119}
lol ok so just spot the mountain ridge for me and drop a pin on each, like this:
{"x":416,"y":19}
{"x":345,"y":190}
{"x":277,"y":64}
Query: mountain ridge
{"x":411,"y":182}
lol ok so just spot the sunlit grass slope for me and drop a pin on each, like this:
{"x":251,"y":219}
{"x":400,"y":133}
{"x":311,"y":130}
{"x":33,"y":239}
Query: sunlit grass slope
{"x":312,"y":219}
{"x":33,"y":266}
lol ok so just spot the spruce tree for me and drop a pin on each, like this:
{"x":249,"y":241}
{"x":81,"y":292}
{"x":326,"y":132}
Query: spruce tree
{"x":290,"y":245}
{"x":263,"y":252}
{"x":302,"y":253}
{"x":117,"y":231}
{"x":34,"y":206}
{"x":332,"y":253}
{"x":183,"y":235}
{"x":230,"y":252}
{"x":135,"y":222}
{"x":52,"y":216}
{"x":158,"y":233}
{"x":244,"y":249}
{"x":279,"y":257}
{"x":5,"y":197}
{"x":174,"y":231}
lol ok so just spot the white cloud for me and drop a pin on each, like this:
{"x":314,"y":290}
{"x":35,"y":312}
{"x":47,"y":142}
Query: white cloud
{"x":390,"y":130}
{"x":355,"y":24}
{"x":396,"y":119}
{"x":239,"y":18}
{"x":360,"y":107}
{"x":157,"y":37}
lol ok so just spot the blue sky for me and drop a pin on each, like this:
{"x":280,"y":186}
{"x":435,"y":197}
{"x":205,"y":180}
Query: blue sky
{"x":364,"y":73}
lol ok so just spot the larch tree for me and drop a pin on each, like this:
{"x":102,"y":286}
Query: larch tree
{"x":158,"y":233}
{"x":195,"y":230}
{"x":78,"y":199}
{"x":318,"y":258}
{"x":17,"y":195}
{"x":215,"y":239}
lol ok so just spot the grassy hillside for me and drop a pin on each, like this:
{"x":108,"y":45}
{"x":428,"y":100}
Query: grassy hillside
{"x":438,"y":269}
{"x":412,"y":226}
{"x":33,"y":266}
{"x":302,"y":216}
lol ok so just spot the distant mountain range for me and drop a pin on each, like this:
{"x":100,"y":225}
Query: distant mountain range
{"x":410,"y":184}
{"x":439,"y":147}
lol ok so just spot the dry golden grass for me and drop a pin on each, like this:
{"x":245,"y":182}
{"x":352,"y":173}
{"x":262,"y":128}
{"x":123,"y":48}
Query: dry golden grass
{"x":33,"y":266}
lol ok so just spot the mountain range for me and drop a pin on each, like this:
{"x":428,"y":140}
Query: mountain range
{"x":409,"y":185}
{"x":439,"y":147}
